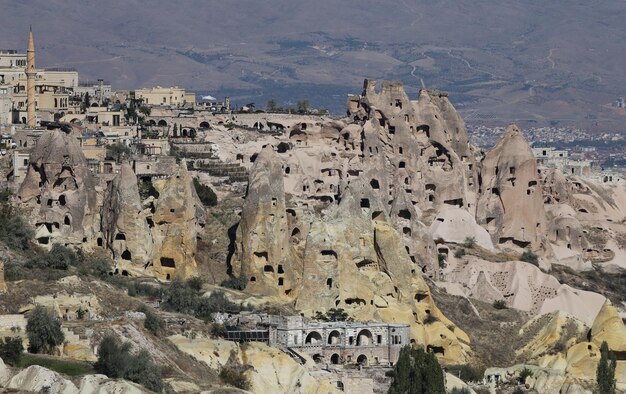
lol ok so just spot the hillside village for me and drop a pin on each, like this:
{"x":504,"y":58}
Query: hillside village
{"x":319,"y":247}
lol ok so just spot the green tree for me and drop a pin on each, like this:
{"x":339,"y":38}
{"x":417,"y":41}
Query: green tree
{"x":417,"y":372}
{"x":116,"y":361}
{"x":117,"y":152}
{"x":605,"y":372}
{"x":144,"y":110}
{"x":86,"y":103}
{"x":15,"y":232}
{"x":205,"y":193}
{"x":44,"y":331}
{"x":303,"y":106}
{"x":179,"y":297}
{"x":59,"y":257}
{"x":11,"y":349}
{"x":271,"y":105}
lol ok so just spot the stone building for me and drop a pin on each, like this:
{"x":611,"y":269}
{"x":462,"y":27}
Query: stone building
{"x":336,"y":343}
{"x":345,"y":342}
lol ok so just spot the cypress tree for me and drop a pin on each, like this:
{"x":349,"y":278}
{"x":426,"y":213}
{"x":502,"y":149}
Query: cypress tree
{"x":417,"y":372}
{"x":605,"y":373}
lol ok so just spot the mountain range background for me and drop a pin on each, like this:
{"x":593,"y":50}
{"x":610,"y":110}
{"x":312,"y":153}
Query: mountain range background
{"x":535,"y":62}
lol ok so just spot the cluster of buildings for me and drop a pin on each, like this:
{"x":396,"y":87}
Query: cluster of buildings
{"x":34,"y":99}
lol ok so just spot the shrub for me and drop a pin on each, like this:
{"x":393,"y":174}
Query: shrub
{"x":153,"y":322}
{"x":463,"y":390}
{"x":216,"y":302}
{"x":333,"y":314}
{"x":469,"y":242}
{"x":499,"y":304}
{"x":14,"y":272}
{"x":417,"y":372}
{"x":11,"y":349}
{"x":518,"y":390}
{"x":233,"y":373}
{"x":530,"y":257}
{"x":466,"y":372}
{"x":218,"y":330}
{"x":459,"y":253}
{"x":146,"y":189}
{"x":235,"y":283}
{"x":195,"y":283}
{"x":96,"y":264}
{"x":179,"y":297}
{"x":15,"y":232}
{"x":116,"y":361}
{"x":59,"y":257}
{"x":525,"y":373}
{"x":44,"y":331}
{"x":430,"y":319}
{"x":205,"y":193}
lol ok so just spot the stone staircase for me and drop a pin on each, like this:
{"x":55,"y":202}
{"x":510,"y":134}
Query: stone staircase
{"x":233,"y":171}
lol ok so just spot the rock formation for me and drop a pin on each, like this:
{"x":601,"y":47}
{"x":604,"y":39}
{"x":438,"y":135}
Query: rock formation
{"x":457,"y":225}
{"x":177,"y":218}
{"x":264,"y":250}
{"x":39,"y":379}
{"x":272,"y":370}
{"x":511,"y":202}
{"x":124,"y":226}
{"x":59,"y":191}
{"x":523,"y":286}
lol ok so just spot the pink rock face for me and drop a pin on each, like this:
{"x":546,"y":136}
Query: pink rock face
{"x":510,"y":204}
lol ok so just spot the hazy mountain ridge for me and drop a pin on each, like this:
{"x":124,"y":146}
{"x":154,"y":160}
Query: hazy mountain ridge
{"x":536,"y":60}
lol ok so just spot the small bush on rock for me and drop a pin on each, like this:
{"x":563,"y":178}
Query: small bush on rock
{"x":530,"y":257}
{"x":499,"y":304}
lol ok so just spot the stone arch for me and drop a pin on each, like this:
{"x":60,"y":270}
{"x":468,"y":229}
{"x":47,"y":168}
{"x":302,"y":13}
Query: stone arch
{"x":334,"y":359}
{"x":334,"y":338}
{"x":362,"y":359}
{"x":162,"y":123}
{"x":364,"y":338}
{"x":318,"y":358}
{"x":313,"y":338}
{"x":204,"y":125}
{"x":152,"y":122}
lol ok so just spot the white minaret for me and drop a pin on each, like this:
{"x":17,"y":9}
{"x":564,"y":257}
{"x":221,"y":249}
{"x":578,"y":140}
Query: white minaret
{"x":31,"y":75}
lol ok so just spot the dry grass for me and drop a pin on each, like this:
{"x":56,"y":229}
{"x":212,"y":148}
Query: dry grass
{"x":609,"y":285}
{"x":494,"y":335}
{"x":494,"y":257}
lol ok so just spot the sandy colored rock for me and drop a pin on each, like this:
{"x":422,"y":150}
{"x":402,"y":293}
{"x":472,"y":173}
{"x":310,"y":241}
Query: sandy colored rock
{"x":523,"y":286}
{"x":272,"y":370}
{"x":511,"y":201}
{"x":178,"y":217}
{"x":59,"y":192}
{"x":124,"y":226}
{"x":263,"y":253}
{"x":456,"y":225}
{"x":36,"y":378}
{"x":609,"y":326}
